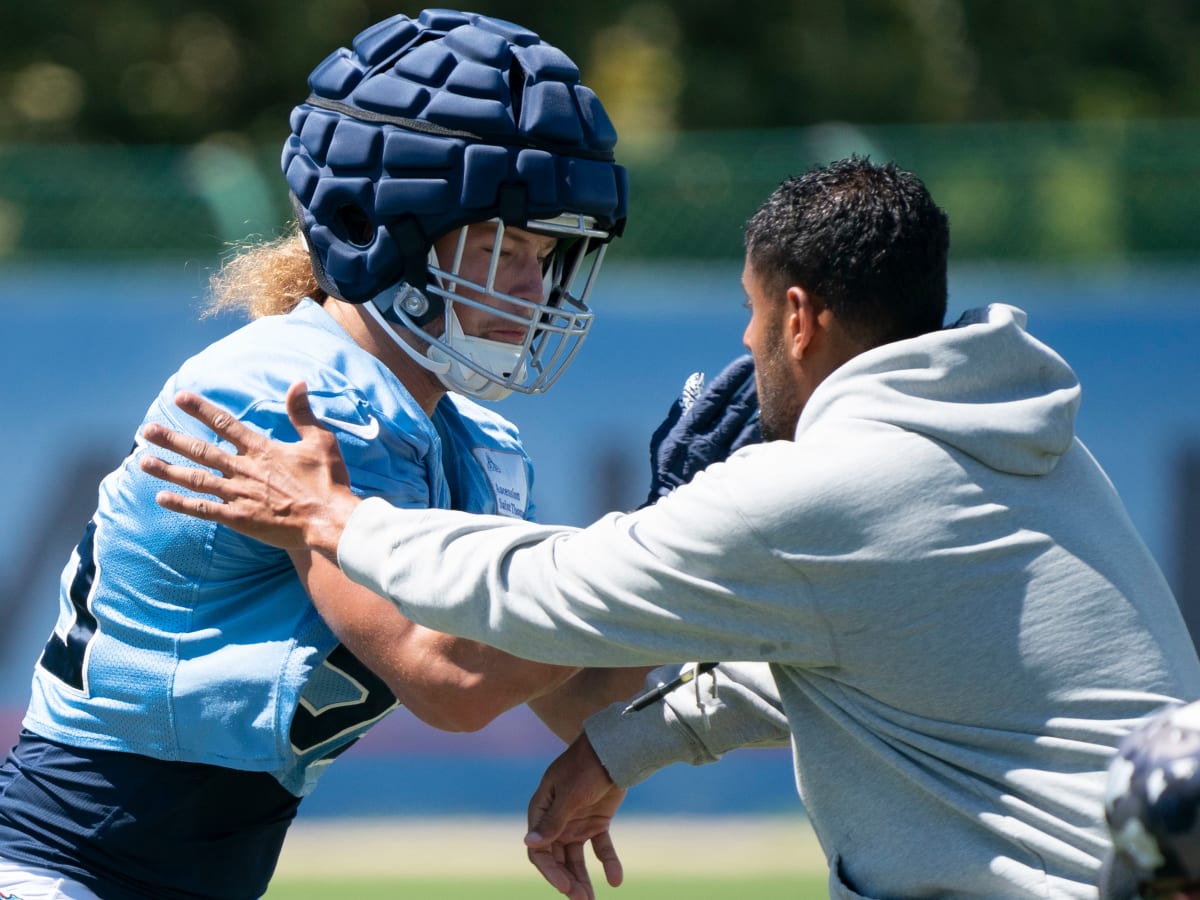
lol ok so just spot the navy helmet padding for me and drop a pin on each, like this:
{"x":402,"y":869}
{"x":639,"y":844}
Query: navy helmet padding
{"x":1159,"y":804}
{"x":426,"y":125}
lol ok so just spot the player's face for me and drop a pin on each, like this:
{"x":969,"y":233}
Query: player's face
{"x":518,"y":272}
{"x":779,"y":401}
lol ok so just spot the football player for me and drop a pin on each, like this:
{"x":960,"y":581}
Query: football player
{"x":455,"y":190}
{"x":1153,"y":810}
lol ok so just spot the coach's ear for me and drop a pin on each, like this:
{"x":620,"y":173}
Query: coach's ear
{"x":802,"y":321}
{"x":816,"y":341}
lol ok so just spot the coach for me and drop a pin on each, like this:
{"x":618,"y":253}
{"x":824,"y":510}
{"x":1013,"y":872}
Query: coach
{"x":957,"y":619}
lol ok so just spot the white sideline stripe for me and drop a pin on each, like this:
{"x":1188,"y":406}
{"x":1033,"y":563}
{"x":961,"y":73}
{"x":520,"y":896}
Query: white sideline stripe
{"x":467,"y":847}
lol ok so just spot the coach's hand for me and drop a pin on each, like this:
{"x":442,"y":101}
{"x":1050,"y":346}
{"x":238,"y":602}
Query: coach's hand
{"x":573,"y":805}
{"x":293,"y":496}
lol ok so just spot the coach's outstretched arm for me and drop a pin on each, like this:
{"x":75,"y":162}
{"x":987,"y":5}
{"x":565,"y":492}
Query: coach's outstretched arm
{"x":292,"y":496}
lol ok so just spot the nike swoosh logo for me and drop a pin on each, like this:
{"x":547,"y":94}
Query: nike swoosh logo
{"x":367,"y":432}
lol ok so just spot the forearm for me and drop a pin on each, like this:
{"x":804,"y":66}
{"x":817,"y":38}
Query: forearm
{"x":564,"y":709}
{"x":460,"y":685}
{"x":450,"y":683}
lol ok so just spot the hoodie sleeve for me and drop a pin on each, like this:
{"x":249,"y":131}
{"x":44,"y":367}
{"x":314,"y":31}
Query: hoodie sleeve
{"x":688,"y":578}
{"x":735,"y":705}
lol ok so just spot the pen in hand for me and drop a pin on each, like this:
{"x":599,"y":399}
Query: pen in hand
{"x":646,"y":698}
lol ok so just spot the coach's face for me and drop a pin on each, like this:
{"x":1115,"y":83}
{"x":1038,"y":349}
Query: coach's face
{"x":781,"y":395}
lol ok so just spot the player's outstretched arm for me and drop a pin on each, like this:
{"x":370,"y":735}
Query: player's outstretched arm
{"x":573,"y":805}
{"x":564,"y":709}
{"x":293,"y":496}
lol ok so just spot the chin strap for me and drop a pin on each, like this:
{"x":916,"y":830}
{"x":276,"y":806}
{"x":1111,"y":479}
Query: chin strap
{"x":413,"y":353}
{"x":456,"y":375}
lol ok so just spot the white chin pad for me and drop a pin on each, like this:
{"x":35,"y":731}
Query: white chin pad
{"x":502,"y":359}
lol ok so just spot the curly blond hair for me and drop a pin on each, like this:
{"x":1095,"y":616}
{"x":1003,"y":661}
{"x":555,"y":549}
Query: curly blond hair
{"x":265,"y":279}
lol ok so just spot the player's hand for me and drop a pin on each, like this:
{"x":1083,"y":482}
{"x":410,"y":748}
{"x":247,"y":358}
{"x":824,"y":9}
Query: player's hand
{"x":574,"y":805}
{"x":293,"y":496}
{"x":704,"y":425}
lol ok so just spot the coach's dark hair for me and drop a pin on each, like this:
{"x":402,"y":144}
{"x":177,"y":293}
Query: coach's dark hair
{"x":865,"y":239}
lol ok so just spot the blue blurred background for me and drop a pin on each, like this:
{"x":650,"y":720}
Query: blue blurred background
{"x":139,"y":143}
{"x":89,"y":345}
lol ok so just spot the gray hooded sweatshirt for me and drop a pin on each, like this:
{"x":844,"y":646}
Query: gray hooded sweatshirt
{"x":941,"y":601}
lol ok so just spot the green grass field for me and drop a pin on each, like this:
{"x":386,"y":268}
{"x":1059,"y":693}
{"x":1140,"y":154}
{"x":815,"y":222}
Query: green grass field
{"x":529,"y":888}
{"x":451,"y":859}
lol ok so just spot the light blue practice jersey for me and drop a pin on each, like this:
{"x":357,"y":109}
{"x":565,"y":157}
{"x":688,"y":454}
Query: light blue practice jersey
{"x":180,"y":639}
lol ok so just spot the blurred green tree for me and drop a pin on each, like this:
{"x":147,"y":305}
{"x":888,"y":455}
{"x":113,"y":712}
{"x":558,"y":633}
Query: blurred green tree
{"x":1059,"y":131}
{"x":166,"y":71}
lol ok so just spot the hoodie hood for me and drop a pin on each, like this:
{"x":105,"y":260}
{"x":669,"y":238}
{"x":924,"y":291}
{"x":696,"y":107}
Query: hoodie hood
{"x":983,"y":386}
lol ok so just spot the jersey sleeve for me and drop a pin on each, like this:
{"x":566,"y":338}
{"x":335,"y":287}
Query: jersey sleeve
{"x":389,"y":444}
{"x":393,"y":457}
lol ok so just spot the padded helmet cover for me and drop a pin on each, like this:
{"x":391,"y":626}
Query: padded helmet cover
{"x":1153,"y":799}
{"x":428,"y":124}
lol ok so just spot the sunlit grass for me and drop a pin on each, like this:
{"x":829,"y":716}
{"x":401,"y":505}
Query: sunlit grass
{"x":809,"y":887}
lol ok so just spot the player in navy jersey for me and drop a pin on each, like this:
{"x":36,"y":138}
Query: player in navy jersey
{"x":455,"y":190}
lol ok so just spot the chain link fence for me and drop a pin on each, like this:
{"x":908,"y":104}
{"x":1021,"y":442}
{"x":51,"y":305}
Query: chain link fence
{"x":1035,"y":192}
